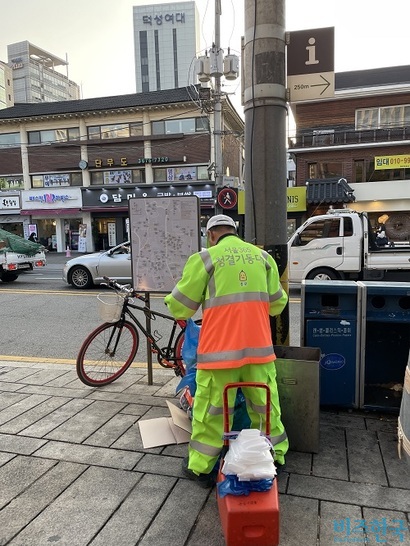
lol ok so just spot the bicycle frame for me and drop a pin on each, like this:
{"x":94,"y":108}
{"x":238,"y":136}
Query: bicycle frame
{"x":110,"y":349}
{"x":164,"y":358}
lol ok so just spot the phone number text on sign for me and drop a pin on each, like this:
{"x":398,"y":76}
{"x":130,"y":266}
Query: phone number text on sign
{"x":392,"y":162}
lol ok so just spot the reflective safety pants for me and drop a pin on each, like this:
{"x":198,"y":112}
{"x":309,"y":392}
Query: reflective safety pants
{"x":207,"y":423}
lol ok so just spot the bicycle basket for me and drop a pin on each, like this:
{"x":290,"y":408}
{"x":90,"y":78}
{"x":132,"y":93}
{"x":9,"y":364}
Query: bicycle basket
{"x":110,"y":307}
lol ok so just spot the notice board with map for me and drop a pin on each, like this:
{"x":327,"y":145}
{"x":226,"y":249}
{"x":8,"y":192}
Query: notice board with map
{"x":164,"y":232}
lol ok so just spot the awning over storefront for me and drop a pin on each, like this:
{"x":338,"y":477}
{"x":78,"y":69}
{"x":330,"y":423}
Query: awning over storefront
{"x":49,"y":212}
{"x":329,"y":190}
{"x":105,"y":209}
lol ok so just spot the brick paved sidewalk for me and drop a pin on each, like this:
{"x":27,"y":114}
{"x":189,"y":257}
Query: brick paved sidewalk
{"x":73,"y":470}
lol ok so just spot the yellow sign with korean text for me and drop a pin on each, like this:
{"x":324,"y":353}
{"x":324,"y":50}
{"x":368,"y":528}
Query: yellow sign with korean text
{"x":391,"y":162}
{"x":296,"y":199}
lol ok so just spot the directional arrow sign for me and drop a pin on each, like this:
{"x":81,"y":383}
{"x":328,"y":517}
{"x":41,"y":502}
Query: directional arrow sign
{"x":325,"y":84}
{"x":311,"y":86}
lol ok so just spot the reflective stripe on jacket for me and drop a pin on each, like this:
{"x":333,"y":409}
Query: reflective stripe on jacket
{"x":238,"y":286}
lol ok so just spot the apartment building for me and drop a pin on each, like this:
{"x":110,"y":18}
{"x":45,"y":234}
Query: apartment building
{"x":6,"y":86}
{"x":166,"y":42}
{"x":35,"y":75}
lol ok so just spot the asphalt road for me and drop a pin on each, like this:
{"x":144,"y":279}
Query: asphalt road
{"x":44,"y":318}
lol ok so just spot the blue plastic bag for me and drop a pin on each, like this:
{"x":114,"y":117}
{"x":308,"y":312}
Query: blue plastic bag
{"x":241,"y":418}
{"x":232,"y":486}
{"x":189,"y":380}
{"x":189,"y":355}
{"x":190,"y":345}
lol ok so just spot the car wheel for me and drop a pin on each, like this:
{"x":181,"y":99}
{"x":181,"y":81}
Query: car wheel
{"x":8,"y":277}
{"x":80,"y":277}
{"x":323,"y":274}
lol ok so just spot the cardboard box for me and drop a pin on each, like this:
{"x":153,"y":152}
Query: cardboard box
{"x":164,"y":431}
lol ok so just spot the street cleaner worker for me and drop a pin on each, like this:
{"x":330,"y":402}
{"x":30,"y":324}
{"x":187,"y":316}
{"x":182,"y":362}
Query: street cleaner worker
{"x":238,"y":286}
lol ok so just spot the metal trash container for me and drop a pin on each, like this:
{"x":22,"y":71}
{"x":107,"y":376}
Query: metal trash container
{"x":385,"y":343}
{"x":329,"y":320}
{"x":297,"y":378}
{"x":404,"y":418}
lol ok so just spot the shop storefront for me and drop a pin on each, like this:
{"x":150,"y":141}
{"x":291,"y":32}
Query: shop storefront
{"x":10,"y":218}
{"x":108,"y":207}
{"x":55,"y":216}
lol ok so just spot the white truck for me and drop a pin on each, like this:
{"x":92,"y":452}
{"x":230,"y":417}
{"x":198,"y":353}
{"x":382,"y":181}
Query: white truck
{"x":18,"y":255}
{"x":342,"y":245}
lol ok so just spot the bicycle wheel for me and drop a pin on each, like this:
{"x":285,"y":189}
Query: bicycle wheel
{"x":179,"y":361}
{"x":107,"y":353}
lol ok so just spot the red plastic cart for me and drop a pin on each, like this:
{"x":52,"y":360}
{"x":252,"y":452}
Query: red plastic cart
{"x":251,"y":520}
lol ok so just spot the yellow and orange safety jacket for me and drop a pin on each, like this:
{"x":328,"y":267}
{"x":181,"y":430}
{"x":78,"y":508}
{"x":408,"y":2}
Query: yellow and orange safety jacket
{"x":238,"y":286}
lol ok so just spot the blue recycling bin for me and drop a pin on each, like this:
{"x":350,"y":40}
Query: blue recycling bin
{"x":330,"y":321}
{"x":385,"y":343}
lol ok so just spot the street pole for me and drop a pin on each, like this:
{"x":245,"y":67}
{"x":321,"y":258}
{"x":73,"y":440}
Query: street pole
{"x":265,"y":108}
{"x":218,"y":102}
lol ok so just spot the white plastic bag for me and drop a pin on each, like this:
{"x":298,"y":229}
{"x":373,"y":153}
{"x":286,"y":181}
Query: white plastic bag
{"x":249,"y":457}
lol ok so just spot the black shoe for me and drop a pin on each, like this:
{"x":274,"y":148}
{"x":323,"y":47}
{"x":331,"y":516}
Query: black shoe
{"x":203,"y":480}
{"x":280,"y":468}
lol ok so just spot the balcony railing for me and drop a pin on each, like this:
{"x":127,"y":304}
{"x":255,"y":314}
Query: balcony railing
{"x":328,"y":137}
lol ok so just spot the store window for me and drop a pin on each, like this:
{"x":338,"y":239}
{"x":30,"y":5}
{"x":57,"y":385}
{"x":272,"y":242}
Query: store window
{"x":384,"y":117}
{"x":101,"y":230}
{"x":203,"y":173}
{"x":101,"y":178}
{"x":56,"y":180}
{"x":115,"y":130}
{"x":46,"y":232}
{"x":175,"y":174}
{"x":11,"y":183}
{"x":53,"y":135}
{"x":160,"y":175}
{"x":185,"y":126}
{"x":136,"y":129}
{"x":72,"y":233}
{"x":367,"y":118}
{"x":312,"y":170}
{"x":8,"y":140}
{"x":365,"y":172}
{"x":330,"y":169}
{"x":325,"y":169}
{"x":359,"y":171}
{"x":13,"y":227}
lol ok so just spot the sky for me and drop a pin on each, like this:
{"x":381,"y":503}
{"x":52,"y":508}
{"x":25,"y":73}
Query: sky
{"x":97,"y":35}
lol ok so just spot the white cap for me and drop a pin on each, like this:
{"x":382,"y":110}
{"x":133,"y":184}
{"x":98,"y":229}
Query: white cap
{"x":220,"y":220}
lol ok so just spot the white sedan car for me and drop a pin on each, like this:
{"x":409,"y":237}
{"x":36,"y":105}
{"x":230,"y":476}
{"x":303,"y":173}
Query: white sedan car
{"x":90,"y":269}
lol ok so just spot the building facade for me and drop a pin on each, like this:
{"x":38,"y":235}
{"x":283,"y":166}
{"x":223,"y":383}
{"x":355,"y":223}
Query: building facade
{"x":166,"y":42}
{"x":354,"y":150}
{"x":6,"y":86}
{"x":70,"y":167}
{"x":35,"y":78}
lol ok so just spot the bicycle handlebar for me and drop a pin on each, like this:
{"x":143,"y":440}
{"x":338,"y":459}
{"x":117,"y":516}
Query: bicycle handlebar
{"x":111,"y":283}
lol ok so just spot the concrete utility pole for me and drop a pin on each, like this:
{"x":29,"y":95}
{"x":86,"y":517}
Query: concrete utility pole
{"x":264,"y":99}
{"x":218,"y":102}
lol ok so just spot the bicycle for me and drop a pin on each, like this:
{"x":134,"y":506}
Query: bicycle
{"x":109,"y":350}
